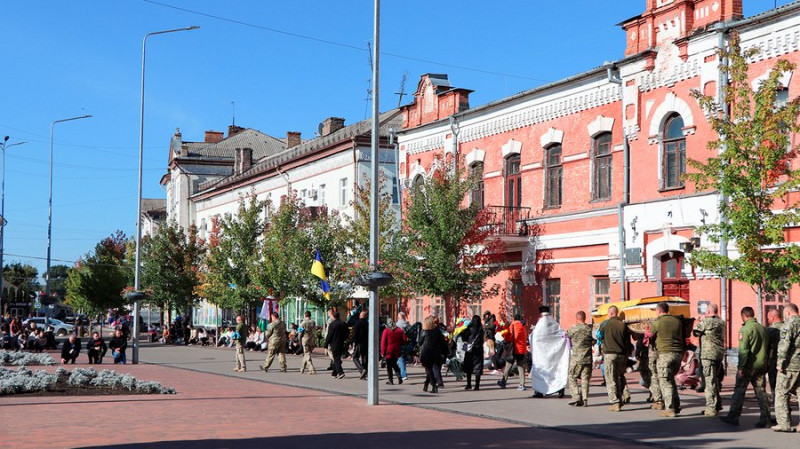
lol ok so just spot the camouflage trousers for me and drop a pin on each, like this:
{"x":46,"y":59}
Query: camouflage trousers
{"x":758,"y":381}
{"x":307,"y":362}
{"x":241,"y":364}
{"x":615,"y":376}
{"x":582,"y":371}
{"x":655,"y":383}
{"x":785,"y":383}
{"x":668,"y":365}
{"x":712,"y":372}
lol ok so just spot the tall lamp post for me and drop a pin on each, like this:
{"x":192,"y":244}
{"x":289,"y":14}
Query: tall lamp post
{"x":50,"y":215}
{"x":3,"y":212}
{"x":137,"y":295}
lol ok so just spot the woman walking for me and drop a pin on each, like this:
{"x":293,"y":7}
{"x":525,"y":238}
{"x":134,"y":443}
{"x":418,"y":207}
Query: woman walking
{"x":433,"y":349}
{"x":392,"y":343}
{"x":473,"y":352}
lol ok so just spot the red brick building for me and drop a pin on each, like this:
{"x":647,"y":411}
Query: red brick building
{"x":593,"y":163}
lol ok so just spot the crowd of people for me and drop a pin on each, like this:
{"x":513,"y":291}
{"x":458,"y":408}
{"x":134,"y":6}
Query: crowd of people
{"x":552,"y":360}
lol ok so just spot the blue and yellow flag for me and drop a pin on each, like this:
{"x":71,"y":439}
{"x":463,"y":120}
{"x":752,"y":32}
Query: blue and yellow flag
{"x":319,"y":271}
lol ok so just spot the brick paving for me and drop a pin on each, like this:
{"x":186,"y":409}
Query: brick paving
{"x":216,"y":407}
{"x":219,"y":411}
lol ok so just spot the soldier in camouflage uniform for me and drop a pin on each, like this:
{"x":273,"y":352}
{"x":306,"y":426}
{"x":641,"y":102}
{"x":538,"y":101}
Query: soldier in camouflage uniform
{"x":580,"y":360}
{"x":788,"y":369}
{"x":711,"y":331}
{"x":667,"y":331}
{"x":775,"y":320}
{"x":752,"y":369}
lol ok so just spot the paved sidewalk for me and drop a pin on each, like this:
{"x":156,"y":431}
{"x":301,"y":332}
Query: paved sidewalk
{"x":213,"y":411}
{"x":635,"y":424}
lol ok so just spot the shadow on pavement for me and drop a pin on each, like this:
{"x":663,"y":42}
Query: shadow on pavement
{"x":473,"y":438}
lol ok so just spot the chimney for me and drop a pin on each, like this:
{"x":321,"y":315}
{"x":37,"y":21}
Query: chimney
{"x":234,"y":130}
{"x":331,"y":125}
{"x":214,"y":136}
{"x":292,"y":139}
{"x":243,"y":160}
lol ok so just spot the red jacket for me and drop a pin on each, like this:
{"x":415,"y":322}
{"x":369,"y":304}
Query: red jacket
{"x":392,"y":342}
{"x":519,"y":336}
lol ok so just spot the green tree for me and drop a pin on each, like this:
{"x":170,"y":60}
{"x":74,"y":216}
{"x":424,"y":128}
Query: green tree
{"x":170,"y":264}
{"x":452,"y":252}
{"x":58,"y":280}
{"x":233,"y":254}
{"x":393,"y":247}
{"x":24,"y":276}
{"x":750,"y":164}
{"x":96,"y":282}
{"x":292,"y":234}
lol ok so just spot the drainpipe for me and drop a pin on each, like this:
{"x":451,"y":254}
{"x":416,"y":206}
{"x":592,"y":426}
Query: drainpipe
{"x":625,"y":183}
{"x":722,"y":34}
{"x":288,"y":182}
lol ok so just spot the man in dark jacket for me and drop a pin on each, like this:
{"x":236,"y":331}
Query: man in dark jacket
{"x":96,"y":348}
{"x":70,"y":350}
{"x":360,"y":344}
{"x":118,"y":345}
{"x":335,"y":342}
{"x":616,"y":347}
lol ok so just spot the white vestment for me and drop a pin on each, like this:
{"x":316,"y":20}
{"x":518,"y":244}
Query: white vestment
{"x":550,"y":355}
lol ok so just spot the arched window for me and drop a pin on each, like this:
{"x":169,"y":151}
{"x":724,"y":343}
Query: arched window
{"x":513,"y":182}
{"x":674,"y":156}
{"x":476,"y":171}
{"x":601,"y":166}
{"x":553,"y":176}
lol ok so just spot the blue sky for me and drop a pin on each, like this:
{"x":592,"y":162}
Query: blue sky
{"x":286,"y":66}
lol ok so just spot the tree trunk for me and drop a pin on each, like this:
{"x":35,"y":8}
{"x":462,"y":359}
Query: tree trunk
{"x":760,"y":304}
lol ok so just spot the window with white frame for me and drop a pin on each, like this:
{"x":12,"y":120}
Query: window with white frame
{"x":343,"y":192}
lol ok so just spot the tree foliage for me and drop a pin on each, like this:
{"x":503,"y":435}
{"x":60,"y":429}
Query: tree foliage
{"x":170,"y":263}
{"x":293,"y":233}
{"x":96,"y":282}
{"x":233,"y":256}
{"x":452,"y":252}
{"x":750,"y":164}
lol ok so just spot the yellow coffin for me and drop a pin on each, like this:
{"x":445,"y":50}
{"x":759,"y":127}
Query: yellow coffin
{"x":637,"y":312}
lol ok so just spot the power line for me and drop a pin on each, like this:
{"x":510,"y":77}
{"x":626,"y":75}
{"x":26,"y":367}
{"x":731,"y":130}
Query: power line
{"x":338,"y":44}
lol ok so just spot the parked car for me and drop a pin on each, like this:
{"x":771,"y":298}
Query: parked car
{"x":59,"y":327}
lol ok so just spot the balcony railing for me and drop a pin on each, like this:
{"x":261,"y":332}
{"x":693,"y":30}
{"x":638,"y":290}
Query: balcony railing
{"x":507,"y":221}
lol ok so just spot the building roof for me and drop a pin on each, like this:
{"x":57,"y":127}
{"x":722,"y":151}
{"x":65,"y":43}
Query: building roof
{"x":263,"y":145}
{"x":388,"y":120}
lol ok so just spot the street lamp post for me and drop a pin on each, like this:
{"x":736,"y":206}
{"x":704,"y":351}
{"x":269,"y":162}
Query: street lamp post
{"x":136,"y":279}
{"x":50,"y":215}
{"x":3,"y":212}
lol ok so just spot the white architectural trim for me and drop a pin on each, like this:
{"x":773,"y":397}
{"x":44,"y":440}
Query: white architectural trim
{"x":416,"y":171}
{"x":785,"y":79}
{"x":511,"y":147}
{"x":552,"y":136}
{"x":475,"y":156}
{"x":600,"y":125}
{"x":671,"y":104}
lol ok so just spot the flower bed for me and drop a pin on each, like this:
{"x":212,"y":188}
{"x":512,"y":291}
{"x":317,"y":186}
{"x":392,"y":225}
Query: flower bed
{"x":79,"y":381}
{"x":21,"y":358}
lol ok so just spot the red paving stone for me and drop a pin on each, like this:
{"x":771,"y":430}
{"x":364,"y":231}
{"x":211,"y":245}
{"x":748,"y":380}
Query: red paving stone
{"x":219,"y":411}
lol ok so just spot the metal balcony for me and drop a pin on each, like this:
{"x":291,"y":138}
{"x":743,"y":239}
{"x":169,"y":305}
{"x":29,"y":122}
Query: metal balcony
{"x":508,"y":221}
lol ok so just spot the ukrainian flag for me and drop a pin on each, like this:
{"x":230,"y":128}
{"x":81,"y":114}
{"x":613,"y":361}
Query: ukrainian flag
{"x":319,"y":271}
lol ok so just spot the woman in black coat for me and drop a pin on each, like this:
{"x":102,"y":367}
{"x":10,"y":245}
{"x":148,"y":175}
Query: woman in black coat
{"x":472,"y":337}
{"x":433,"y":350}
